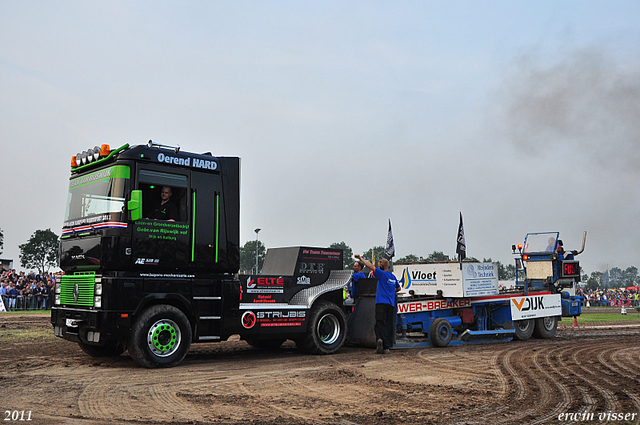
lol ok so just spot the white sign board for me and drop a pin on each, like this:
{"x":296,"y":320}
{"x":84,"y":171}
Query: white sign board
{"x":474,"y":280}
{"x":480,"y":279}
{"x":534,"y":306}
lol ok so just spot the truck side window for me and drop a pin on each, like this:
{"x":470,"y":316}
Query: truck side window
{"x":164,"y":195}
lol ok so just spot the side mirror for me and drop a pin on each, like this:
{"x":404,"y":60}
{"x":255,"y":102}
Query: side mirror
{"x":135,"y":205}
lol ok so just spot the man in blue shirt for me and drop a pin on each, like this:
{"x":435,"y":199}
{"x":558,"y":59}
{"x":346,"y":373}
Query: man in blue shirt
{"x":385,"y":303}
{"x":357,"y":275}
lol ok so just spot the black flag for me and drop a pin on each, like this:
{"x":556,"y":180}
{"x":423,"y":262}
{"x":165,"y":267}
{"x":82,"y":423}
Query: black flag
{"x":461,"y":249}
{"x":390,"y":249}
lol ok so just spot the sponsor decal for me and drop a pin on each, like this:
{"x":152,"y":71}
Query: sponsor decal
{"x":534,"y":306}
{"x":103,"y":174}
{"x":311,"y":268}
{"x":480,"y":279}
{"x":167,"y":275}
{"x":251,"y":283}
{"x":264,"y":299}
{"x":475,"y":271}
{"x":162,"y":230}
{"x":271,"y":325}
{"x":87,"y":223}
{"x":188,"y":161}
{"x":265,"y":285}
{"x":248,"y":319}
{"x":304,"y":280}
{"x":147,"y":261}
{"x":281,"y":318}
{"x":286,"y":314}
{"x":418,"y":276}
{"x":418,"y":306}
{"x":322,"y":253}
{"x":526,"y":304}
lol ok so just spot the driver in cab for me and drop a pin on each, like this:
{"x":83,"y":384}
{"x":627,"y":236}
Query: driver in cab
{"x":165,"y":210}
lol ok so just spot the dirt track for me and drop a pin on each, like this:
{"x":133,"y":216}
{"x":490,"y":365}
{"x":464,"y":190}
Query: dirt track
{"x":584,"y":370}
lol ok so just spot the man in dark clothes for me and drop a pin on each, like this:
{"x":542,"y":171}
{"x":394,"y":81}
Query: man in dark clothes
{"x":166,"y":210}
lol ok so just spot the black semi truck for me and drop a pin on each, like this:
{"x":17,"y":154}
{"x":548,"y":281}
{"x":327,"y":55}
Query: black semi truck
{"x":152,"y":286}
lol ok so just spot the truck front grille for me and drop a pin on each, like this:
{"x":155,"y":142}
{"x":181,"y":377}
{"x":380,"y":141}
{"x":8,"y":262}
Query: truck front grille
{"x":78,"y":289}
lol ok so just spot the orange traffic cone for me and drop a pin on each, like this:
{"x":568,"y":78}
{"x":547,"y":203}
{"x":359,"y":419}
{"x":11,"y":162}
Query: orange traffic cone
{"x":575,"y":320}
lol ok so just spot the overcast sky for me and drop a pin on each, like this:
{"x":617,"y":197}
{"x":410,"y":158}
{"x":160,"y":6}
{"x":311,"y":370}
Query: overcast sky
{"x":524,"y":116}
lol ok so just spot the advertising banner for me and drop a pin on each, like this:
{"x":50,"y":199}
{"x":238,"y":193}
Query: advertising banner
{"x":474,"y":280}
{"x":480,"y":279}
{"x":534,"y":306}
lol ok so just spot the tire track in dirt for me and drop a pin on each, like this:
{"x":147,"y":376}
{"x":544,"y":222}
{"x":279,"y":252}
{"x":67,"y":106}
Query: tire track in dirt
{"x":455,"y":362}
{"x":544,"y":390}
{"x":268,"y":407}
{"x":588,"y":402}
{"x":611,"y":403}
{"x":517,"y":394}
{"x":107,"y":397}
{"x":619,"y":370}
{"x":567,"y":398}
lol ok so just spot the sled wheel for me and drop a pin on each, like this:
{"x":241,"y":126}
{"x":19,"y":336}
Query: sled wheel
{"x":524,"y":329}
{"x":326,"y":331}
{"x":161,"y":337}
{"x":110,"y":349}
{"x":440,"y":332}
{"x":546,"y":327}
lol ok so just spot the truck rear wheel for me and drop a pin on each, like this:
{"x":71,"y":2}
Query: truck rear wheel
{"x":546,"y":327}
{"x":524,"y":329}
{"x":110,"y":349}
{"x":161,"y":337}
{"x":440,"y":332}
{"x":327,"y":329}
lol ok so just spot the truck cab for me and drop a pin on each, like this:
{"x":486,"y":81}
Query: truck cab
{"x":150,"y":250}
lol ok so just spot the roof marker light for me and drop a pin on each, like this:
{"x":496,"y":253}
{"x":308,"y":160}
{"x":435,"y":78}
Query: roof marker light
{"x":96,"y":153}
{"x":105,"y":150}
{"x":74,"y":162}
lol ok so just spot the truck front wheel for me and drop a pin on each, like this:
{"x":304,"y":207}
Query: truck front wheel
{"x":327,"y":329}
{"x":161,"y":337}
{"x":524,"y":329}
{"x":546,"y":327}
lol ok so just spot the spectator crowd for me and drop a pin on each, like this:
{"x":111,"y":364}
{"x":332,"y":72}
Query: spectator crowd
{"x":629,"y":297}
{"x":26,"y":291}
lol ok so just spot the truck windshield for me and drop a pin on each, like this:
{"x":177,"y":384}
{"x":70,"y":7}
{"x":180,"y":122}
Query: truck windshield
{"x":97,"y":197}
{"x":541,"y":242}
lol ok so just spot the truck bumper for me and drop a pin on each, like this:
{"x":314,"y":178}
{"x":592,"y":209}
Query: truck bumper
{"x":88,"y":326}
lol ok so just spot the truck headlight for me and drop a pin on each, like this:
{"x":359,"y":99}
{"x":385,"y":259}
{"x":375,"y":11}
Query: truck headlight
{"x":97,"y":301}
{"x":57,"y":299}
{"x":98,"y":290}
{"x":57,"y":288}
